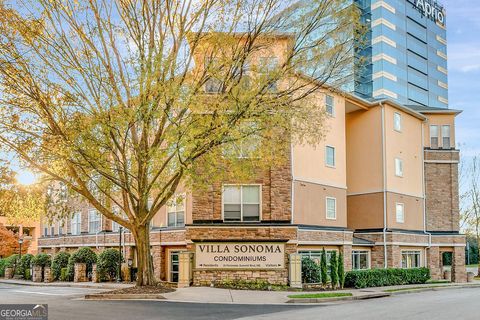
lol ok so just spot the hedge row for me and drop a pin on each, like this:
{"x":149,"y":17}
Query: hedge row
{"x":386,"y":277}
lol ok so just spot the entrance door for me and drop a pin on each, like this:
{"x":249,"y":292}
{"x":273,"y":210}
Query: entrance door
{"x":174,"y":266}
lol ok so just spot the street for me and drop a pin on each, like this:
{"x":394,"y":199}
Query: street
{"x":67,"y":303}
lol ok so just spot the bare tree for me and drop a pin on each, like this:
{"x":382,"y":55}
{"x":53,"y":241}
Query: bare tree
{"x":108,"y":97}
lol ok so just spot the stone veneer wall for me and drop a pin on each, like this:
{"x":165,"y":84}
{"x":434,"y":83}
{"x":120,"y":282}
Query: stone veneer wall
{"x":441,"y":187}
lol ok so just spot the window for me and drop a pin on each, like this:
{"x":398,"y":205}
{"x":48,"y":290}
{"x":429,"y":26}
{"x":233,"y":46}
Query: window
{"x":411,"y":259}
{"x":212,"y":85}
{"x":247,"y":146}
{"x":398,"y":167}
{"x":174,"y":266}
{"x":316,"y":255}
{"x":400,"y":212}
{"x":397,"y":121}
{"x":94,"y":221}
{"x":115,"y":225}
{"x":434,"y":137}
{"x":60,"y":229}
{"x":241,"y":203}
{"x":267,"y":66}
{"x":330,"y":156}
{"x":360,"y":259}
{"x":76,"y":223}
{"x":446,"y":137}
{"x":330,"y":105}
{"x":176,"y":212}
{"x":52,"y":230}
{"x":45,"y":231}
{"x":331,"y":208}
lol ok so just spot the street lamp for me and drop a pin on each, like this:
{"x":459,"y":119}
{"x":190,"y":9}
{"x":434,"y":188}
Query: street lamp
{"x":119,"y":275}
{"x":20,"y":241}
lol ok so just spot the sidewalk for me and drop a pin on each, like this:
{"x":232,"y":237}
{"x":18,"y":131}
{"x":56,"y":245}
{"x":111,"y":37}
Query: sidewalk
{"x":217,"y":295}
{"x":109,"y":285}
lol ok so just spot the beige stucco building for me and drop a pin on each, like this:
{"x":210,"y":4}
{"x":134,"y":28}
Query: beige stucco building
{"x":381,"y":188}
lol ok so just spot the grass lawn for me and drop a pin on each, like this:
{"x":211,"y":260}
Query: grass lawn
{"x":437,"y":281}
{"x":320,"y":295}
{"x":472,"y":266}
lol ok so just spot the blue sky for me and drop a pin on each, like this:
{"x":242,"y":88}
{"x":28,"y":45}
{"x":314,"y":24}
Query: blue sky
{"x":463,"y":35}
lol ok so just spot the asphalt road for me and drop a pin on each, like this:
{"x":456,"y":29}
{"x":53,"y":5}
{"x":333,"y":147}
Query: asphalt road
{"x":67,"y":303}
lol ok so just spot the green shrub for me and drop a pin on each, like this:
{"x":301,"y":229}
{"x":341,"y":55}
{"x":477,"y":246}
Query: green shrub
{"x":27,"y":275}
{"x":2,"y":267}
{"x":341,"y":271}
{"x":310,"y":271}
{"x":334,"y":270}
{"x":42,"y":260}
{"x":64,"y":274}
{"x":323,"y":268}
{"x":107,"y":265}
{"x":249,"y":285}
{"x":386,"y":277}
{"x":24,"y":264}
{"x":82,"y":255}
{"x":12,"y":262}
{"x":59,"y":262}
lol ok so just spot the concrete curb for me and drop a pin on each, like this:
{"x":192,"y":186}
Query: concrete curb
{"x":125,"y":296}
{"x":65,"y":285}
{"x":322,"y":300}
{"x":437,"y":288}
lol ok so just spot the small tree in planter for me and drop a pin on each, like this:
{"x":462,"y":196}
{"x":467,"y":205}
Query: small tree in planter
{"x":323,"y":268}
{"x":334,"y":271}
{"x":12,"y":262}
{"x":24,"y":266}
{"x":107,"y":265}
{"x":341,"y":271}
{"x":59,"y":262}
{"x":310,"y":271}
{"x":82,"y":255}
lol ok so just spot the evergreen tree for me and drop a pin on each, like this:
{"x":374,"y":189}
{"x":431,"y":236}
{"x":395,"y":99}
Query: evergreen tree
{"x":341,"y":271}
{"x":323,"y":268}
{"x":334,"y":270}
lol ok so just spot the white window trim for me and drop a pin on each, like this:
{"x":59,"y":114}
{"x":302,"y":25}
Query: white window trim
{"x":334,"y":156}
{"x":399,"y":115}
{"x":403,"y":212}
{"x":332,"y":115}
{"x":241,"y":201}
{"x":449,"y":135}
{"x":326,"y":208}
{"x":369,"y":258}
{"x":98,"y":213}
{"x":184,"y":196}
{"x":398,"y":174}
{"x":79,"y":223}
{"x":411,"y":250}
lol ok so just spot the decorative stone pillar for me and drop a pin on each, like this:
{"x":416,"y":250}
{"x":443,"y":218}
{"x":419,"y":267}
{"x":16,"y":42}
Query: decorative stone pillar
{"x":80,"y":272}
{"x":95,"y":277}
{"x":47,"y":275}
{"x":157,"y":261}
{"x":295,"y":270}
{"x":8,"y":273}
{"x":433,"y":263}
{"x":185,"y":271}
{"x":37,"y":274}
{"x":459,"y":271}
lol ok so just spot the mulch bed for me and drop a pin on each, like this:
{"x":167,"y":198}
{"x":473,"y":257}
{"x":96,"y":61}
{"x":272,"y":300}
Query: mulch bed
{"x":142,"y":290}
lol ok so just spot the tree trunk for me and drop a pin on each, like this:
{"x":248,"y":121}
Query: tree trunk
{"x":145,"y":275}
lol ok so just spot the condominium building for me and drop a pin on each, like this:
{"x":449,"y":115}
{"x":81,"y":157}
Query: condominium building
{"x":381,"y":188}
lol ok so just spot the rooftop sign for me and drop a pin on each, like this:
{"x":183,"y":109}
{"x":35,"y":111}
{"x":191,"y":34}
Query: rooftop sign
{"x":430,"y":9}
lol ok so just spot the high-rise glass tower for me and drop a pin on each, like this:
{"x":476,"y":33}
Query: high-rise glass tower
{"x":405,"y":55}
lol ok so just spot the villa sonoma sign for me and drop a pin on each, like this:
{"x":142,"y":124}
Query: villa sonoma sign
{"x":234,"y":255}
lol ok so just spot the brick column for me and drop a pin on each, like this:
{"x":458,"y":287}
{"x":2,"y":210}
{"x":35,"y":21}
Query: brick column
{"x":157,"y":261}
{"x":80,"y":272}
{"x":346,"y":251}
{"x":459,"y":272}
{"x":37,"y":274}
{"x":433,"y":263}
{"x":48,"y":276}
{"x":393,"y":257}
